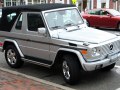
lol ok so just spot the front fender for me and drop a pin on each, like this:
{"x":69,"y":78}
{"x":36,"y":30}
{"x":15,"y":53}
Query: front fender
{"x":16,"y":45}
{"x":76,"y":52}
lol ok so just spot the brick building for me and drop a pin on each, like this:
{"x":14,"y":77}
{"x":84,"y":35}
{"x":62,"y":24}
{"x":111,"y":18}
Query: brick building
{"x":91,"y":4}
{"x":113,"y":4}
{"x":82,"y":4}
{"x":20,"y":2}
{"x":1,"y":3}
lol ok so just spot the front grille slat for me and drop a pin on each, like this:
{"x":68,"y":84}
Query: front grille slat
{"x":105,"y":49}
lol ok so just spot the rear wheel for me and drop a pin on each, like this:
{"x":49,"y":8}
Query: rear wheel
{"x":12,"y":57}
{"x":71,"y":69}
{"x":108,"y":68}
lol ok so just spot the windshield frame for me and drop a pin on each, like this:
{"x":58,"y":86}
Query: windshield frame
{"x":60,"y":9}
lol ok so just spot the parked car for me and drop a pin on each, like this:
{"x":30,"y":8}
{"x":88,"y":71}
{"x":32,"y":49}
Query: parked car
{"x":103,"y":18}
{"x":55,"y":35}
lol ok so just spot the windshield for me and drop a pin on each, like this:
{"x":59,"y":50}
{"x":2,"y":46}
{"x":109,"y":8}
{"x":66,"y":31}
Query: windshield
{"x":114,"y":12}
{"x":63,"y":18}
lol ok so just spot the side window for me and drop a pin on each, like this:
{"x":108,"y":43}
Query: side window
{"x":10,"y":17}
{"x":94,"y":12}
{"x":104,"y":12}
{"x":19,"y":23}
{"x":34,"y":21}
{"x":91,"y":12}
{"x":97,"y":12}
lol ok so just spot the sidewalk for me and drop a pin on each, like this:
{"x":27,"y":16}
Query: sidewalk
{"x":11,"y":80}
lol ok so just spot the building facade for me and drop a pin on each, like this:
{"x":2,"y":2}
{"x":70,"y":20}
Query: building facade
{"x":22,"y":2}
{"x":112,"y":4}
{"x":60,"y":1}
{"x":1,"y":3}
{"x":28,"y":2}
{"x":81,"y":4}
{"x":92,"y":4}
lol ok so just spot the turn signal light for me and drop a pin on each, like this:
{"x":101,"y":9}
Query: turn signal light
{"x":84,"y":51}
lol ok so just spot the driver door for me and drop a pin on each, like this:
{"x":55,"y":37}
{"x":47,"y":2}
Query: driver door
{"x":106,"y":19}
{"x":37,"y":44}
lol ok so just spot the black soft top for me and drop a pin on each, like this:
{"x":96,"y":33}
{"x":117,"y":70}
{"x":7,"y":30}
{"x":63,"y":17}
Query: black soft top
{"x":7,"y":25}
{"x":35,"y":7}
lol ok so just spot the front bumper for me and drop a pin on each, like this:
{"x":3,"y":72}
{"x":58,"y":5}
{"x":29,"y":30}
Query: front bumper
{"x":90,"y":66}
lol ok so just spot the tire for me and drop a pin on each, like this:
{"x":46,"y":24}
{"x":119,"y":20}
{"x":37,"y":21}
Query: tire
{"x":71,"y":69}
{"x":88,"y":24}
{"x":118,"y":26}
{"x":12,"y":57}
{"x":108,"y":68}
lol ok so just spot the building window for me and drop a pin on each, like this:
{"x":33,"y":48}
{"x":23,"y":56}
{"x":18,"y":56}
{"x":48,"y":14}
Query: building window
{"x":29,"y":2}
{"x":103,"y":5}
{"x":11,"y":3}
{"x":43,"y":1}
{"x":8,"y":2}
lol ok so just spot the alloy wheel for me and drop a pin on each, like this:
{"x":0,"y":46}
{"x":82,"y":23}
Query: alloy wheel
{"x":66,"y":70}
{"x":11,"y":56}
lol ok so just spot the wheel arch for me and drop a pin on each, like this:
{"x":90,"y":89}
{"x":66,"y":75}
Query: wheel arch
{"x":62,"y":52}
{"x":118,"y":24}
{"x":12,"y":42}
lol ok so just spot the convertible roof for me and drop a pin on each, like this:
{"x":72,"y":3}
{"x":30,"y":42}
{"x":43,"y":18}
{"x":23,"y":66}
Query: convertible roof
{"x":35,"y":7}
{"x":6,"y":26}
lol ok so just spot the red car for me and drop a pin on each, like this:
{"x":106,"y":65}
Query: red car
{"x":103,"y":18}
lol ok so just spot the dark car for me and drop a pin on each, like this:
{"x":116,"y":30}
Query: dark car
{"x":103,"y":18}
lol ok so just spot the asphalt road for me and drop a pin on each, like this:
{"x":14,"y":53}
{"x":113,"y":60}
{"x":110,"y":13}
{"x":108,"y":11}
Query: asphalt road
{"x":96,"y":80}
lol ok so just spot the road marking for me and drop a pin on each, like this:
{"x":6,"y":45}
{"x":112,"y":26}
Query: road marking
{"x":118,"y":89}
{"x":36,"y":79}
{"x":117,"y":71}
{"x":117,"y":66}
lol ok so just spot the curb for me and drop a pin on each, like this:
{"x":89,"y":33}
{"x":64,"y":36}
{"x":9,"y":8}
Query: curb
{"x":36,"y":79}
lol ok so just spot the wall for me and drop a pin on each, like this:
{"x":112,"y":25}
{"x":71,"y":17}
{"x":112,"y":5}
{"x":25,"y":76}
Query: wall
{"x":59,"y":1}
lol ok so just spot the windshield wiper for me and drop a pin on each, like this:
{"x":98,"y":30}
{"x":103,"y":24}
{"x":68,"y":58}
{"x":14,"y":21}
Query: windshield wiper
{"x":69,"y":24}
{"x":55,"y":27}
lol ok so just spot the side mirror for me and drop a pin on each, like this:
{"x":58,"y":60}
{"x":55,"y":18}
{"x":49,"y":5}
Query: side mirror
{"x":42,"y":31}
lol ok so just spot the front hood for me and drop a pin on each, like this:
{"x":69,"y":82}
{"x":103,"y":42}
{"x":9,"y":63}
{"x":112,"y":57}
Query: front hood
{"x":86,"y":35}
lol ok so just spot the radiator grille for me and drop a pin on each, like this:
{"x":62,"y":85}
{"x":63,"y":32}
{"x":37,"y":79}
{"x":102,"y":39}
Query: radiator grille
{"x":110,"y":48}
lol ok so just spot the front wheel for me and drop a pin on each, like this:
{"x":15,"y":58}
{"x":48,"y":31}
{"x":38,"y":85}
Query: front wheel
{"x":12,"y":57}
{"x":71,"y":69}
{"x":108,"y":68}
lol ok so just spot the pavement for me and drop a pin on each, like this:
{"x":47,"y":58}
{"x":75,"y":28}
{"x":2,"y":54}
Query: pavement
{"x":12,"y":80}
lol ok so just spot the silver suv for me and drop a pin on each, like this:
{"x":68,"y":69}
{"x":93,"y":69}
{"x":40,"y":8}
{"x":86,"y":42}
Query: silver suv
{"x":56,"y":35}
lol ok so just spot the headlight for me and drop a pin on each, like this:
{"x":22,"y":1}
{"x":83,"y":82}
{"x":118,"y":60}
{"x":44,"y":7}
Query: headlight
{"x":91,"y":54}
{"x":95,"y":52}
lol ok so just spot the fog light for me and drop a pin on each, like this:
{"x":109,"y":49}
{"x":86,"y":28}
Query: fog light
{"x":99,"y":66}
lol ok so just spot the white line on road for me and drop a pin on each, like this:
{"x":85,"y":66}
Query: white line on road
{"x":36,"y":79}
{"x":117,"y":66}
{"x":118,"y":89}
